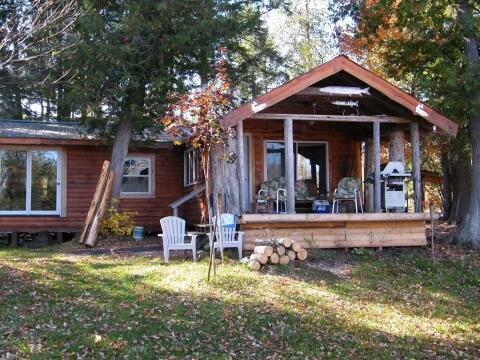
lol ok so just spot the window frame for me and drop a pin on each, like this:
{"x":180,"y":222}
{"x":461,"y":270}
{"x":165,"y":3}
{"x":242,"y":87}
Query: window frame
{"x":150,"y":158}
{"x":28,"y":182}
{"x":196,"y":167}
{"x":295,"y":145}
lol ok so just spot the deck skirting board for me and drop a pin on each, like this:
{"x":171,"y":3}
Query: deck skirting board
{"x":339,"y":232}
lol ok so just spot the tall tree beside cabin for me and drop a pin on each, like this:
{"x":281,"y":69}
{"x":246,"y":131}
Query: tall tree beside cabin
{"x":429,"y":48}
{"x":133,"y":54}
{"x":194,"y":119}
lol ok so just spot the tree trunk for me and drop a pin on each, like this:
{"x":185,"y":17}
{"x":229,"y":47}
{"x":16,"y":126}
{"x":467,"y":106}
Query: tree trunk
{"x":460,"y":184}
{"x":397,"y":146}
{"x":132,"y":109}
{"x":369,"y":169}
{"x":468,"y":232}
{"x":231,"y":182}
{"x":225,"y":178}
{"x":119,"y":152}
{"x":446,"y":185}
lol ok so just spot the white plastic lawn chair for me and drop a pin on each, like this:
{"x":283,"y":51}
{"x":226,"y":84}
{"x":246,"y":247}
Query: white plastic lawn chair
{"x":174,"y":237}
{"x":230,"y":238}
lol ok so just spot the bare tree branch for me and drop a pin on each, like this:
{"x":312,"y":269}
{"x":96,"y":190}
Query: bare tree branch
{"x":30,"y":24}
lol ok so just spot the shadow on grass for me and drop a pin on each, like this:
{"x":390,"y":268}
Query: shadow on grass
{"x":442,"y":289}
{"x":136,"y":308}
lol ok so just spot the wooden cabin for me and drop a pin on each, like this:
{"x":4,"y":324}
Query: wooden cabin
{"x":49,"y":171}
{"x":320,"y":127}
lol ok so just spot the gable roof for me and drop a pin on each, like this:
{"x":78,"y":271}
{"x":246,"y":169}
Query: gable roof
{"x":340,"y":63}
{"x":57,"y":130}
{"x":42,"y":130}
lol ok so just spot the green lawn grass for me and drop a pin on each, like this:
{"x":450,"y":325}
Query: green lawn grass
{"x":56,"y":305}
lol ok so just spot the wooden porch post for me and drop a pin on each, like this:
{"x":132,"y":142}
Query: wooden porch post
{"x":289,"y":165}
{"x":369,"y":169}
{"x":417,"y":180}
{"x":376,"y":156}
{"x":241,"y":166}
{"x":397,"y":146}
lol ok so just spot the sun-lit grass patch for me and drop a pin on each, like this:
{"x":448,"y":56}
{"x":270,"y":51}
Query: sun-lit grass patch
{"x":58,"y":305}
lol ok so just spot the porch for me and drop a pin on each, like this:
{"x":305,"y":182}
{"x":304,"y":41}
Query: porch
{"x":323,"y":126}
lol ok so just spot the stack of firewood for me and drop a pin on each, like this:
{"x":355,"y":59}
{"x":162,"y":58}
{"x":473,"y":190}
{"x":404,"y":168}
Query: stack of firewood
{"x":274,"y":252}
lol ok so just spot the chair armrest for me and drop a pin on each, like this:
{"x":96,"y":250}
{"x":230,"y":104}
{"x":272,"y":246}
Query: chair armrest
{"x":193,"y":236}
{"x":160,"y":235}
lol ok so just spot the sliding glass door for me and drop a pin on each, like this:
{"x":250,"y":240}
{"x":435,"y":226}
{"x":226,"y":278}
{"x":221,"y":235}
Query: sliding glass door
{"x":29,"y":182}
{"x":310,"y":163}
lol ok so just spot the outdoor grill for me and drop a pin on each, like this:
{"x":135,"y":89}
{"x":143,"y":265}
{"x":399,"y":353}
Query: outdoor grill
{"x":393,"y":185}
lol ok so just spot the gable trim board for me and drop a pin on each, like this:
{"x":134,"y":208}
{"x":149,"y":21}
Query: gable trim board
{"x":340,"y":63}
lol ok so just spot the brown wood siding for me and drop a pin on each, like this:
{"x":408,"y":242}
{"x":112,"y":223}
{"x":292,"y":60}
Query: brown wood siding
{"x":344,"y":150}
{"x":193,"y":211}
{"x":83,"y":168}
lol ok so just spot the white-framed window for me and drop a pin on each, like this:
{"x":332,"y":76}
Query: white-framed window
{"x":138,"y":176}
{"x":191,"y":167}
{"x":30,"y":181}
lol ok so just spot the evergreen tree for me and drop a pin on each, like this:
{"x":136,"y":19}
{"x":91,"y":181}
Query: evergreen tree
{"x":133,"y":54}
{"x":303,"y":32}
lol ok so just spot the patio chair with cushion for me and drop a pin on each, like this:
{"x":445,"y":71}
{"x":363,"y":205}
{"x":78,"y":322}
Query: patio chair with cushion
{"x":226,"y":228}
{"x":271,"y":192}
{"x":348,"y":189}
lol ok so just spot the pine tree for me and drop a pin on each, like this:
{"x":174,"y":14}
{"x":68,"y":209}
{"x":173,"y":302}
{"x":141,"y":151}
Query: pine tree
{"x":132,"y":54}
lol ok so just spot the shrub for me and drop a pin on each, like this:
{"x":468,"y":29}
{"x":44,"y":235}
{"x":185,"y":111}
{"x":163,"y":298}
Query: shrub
{"x":117,"y":222}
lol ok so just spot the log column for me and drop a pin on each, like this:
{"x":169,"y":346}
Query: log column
{"x":397,"y":146}
{"x":396,"y":152}
{"x":377,"y":191}
{"x":241,"y":167}
{"x":289,"y":165}
{"x":369,"y":169}
{"x":417,"y":178}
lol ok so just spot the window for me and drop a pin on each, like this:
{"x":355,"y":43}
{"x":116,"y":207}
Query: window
{"x":30,"y":182}
{"x":191,"y":167}
{"x":310,"y":162}
{"x":275,"y":161}
{"x":137,"y":176}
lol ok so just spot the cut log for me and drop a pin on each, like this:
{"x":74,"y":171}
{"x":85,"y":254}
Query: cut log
{"x":295,"y":246}
{"x":91,"y":239}
{"x":262,"y":259}
{"x":274,"y":259}
{"x":284,"y":260}
{"x":291,"y":254}
{"x":254,"y":265}
{"x":280,"y":250}
{"x":264,"y":250}
{"x":302,"y":254}
{"x":264,"y":242}
{"x":286,"y":242}
{"x":97,"y":197}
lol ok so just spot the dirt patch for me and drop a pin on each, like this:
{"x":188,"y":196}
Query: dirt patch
{"x":340,"y":269}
